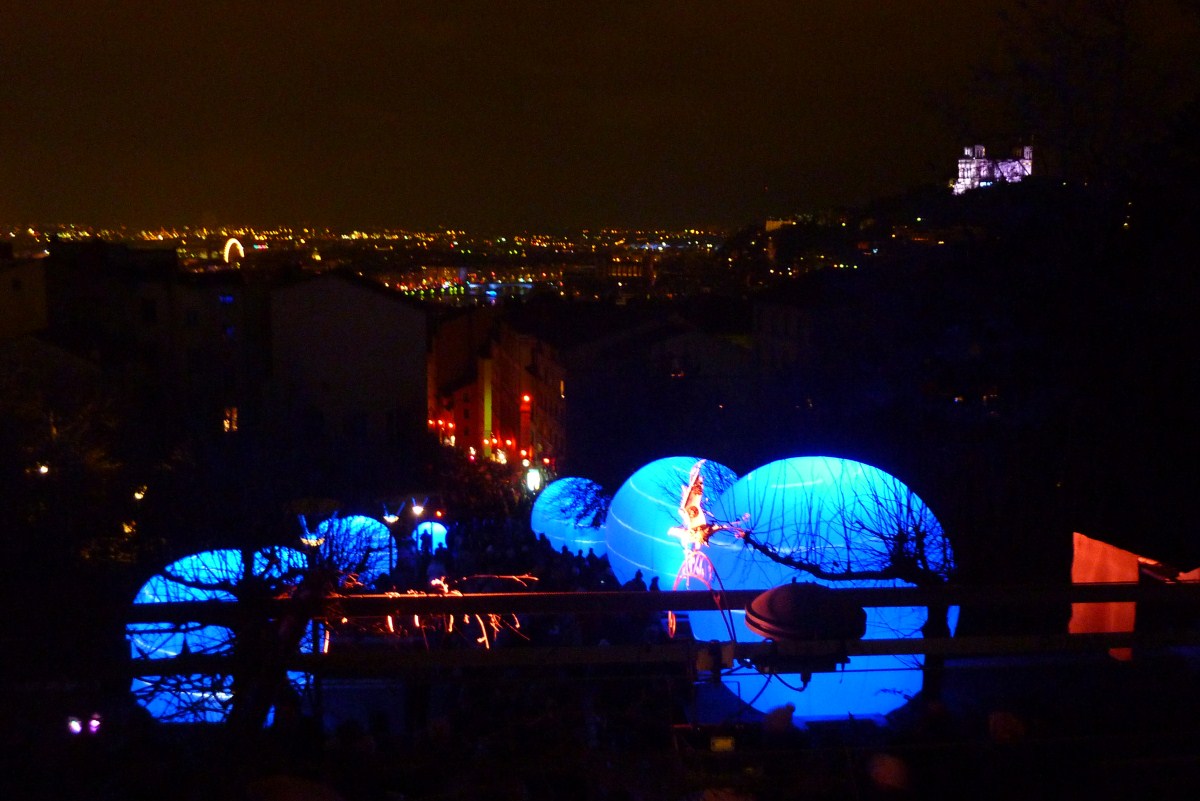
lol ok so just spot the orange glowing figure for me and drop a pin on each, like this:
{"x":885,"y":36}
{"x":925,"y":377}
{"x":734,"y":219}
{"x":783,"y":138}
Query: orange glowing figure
{"x":696,"y":529}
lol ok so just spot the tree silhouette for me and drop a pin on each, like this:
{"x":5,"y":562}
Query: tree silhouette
{"x":880,"y":532}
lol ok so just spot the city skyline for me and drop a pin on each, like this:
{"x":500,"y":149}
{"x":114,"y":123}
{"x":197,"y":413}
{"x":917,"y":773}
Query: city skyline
{"x":539,"y":116}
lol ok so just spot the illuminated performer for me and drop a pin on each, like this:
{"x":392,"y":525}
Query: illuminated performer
{"x":661,"y":519}
{"x":696,"y":529}
{"x":693,"y":535}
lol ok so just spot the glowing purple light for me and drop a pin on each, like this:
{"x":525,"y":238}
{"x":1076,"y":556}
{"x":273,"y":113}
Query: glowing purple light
{"x":975,"y":169}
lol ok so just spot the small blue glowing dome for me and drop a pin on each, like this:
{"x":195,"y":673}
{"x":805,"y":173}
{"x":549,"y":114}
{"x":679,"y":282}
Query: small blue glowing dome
{"x":570,"y":512}
{"x":641,"y":530}
{"x":436,"y":531}
{"x":846,"y":521}
{"x":356,"y":544}
{"x":206,"y":576}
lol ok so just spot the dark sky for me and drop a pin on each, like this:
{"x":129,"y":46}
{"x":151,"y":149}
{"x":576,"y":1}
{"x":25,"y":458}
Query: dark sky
{"x":490,"y":115}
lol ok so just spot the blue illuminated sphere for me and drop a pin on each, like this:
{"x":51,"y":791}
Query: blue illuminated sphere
{"x":839,"y":516}
{"x":436,"y":531}
{"x":568,"y":514}
{"x":355,"y":544}
{"x":206,"y":576}
{"x":645,"y":509}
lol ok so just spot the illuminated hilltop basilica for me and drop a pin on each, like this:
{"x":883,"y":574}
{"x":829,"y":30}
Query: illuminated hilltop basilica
{"x":975,"y":169}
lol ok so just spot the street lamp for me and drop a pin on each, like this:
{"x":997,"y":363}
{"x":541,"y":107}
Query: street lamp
{"x":533,"y":479}
{"x":418,"y":509}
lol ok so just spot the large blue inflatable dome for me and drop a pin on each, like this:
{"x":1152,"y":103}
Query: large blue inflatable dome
{"x":843,"y":520}
{"x":851,"y":525}
{"x":646,"y":509}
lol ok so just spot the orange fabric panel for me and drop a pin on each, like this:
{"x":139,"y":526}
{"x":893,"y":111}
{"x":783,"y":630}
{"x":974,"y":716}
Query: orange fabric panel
{"x":1098,"y":562}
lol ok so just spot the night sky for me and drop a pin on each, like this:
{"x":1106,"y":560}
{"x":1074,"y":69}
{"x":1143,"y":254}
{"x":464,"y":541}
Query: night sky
{"x":489,"y":115}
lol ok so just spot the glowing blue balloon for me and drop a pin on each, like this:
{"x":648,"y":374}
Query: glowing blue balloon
{"x":436,"y":531}
{"x":842,"y":519}
{"x":356,"y":544}
{"x":570,"y":513}
{"x":847,"y":521}
{"x":645,"y":510}
{"x":207,"y":576}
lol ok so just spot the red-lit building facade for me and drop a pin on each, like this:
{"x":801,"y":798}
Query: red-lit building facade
{"x":495,"y":392}
{"x":577,"y":388}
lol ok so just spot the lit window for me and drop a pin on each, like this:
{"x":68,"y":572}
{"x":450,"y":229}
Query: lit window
{"x":231,"y":419}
